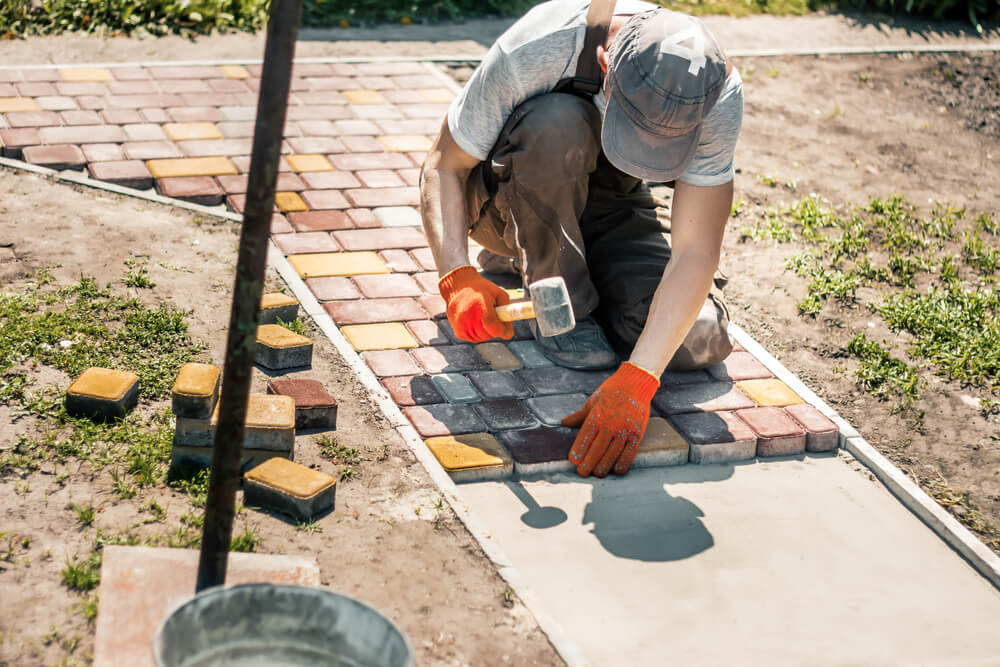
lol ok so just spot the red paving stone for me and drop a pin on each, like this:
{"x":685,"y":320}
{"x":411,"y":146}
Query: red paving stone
{"x":198,"y":189}
{"x":399,"y":261}
{"x":407,"y":196}
{"x":433,"y":304}
{"x":316,"y":221}
{"x":380,"y":178}
{"x":739,"y":366}
{"x":424,"y":258}
{"x":301,"y":243}
{"x":363,"y":218}
{"x":329,"y":180}
{"x":380,"y":239}
{"x":15,"y":140}
{"x":78,"y":117}
{"x":387,"y":363}
{"x":777,"y":433}
{"x":325,"y":199}
{"x":822,"y":435}
{"x":364,"y":161}
{"x":32,"y":118}
{"x":102,"y":153}
{"x":387,"y":286}
{"x":55,"y":157}
{"x":127,"y":173}
{"x":428,"y":281}
{"x":374,"y":310}
{"x":413,"y":390}
{"x":449,"y":359}
{"x":150,"y":150}
{"x":432,"y":332}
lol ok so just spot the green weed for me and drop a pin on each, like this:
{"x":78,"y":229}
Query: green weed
{"x":137,"y":276}
{"x":246,"y":541}
{"x":331,"y":449}
{"x":84,"y":514}
{"x":83,"y":575}
{"x":881,"y":374}
{"x":296,"y":325}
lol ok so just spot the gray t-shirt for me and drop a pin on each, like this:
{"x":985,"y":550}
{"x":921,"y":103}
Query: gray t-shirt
{"x":540,"y":50}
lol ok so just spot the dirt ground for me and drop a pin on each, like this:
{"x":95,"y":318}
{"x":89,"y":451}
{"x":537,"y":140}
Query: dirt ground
{"x":389,"y":542}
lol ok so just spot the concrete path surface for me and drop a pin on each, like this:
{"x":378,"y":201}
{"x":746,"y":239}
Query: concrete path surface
{"x":785,"y":562}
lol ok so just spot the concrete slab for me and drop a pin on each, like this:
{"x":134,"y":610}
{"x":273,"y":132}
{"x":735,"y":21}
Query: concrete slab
{"x":141,"y":585}
{"x":788,"y":562}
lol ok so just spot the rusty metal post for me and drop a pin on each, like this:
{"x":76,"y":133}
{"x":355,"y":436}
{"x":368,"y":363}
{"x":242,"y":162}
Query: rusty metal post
{"x":251,"y":263}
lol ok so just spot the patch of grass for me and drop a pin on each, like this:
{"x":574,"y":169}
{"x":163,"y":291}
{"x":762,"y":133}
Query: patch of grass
{"x":296,"y":325}
{"x":137,"y":276}
{"x":963,"y":507}
{"x":88,"y":607}
{"x":329,"y":448}
{"x":83,"y":575}
{"x":85,"y":514}
{"x":881,"y":374}
{"x":246,"y":541}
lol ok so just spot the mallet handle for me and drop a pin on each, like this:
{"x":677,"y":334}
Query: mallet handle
{"x":520,"y":310}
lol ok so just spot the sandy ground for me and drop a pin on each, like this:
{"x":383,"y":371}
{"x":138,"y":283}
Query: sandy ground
{"x":389,"y":542}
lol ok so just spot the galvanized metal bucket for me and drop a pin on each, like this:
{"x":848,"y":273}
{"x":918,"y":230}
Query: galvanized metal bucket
{"x":271,"y":624}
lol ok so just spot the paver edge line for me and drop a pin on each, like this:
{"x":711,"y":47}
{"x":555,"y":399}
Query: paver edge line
{"x":567,"y":649}
{"x":744,"y":53}
{"x":935,"y":517}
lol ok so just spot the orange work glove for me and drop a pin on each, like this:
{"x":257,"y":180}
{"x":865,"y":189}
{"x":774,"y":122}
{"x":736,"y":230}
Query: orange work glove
{"x":472,"y":302}
{"x":614,"y":420}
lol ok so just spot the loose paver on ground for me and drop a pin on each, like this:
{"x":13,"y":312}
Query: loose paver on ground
{"x":277,"y":306}
{"x":279,"y":348}
{"x":196,"y":391}
{"x":102,"y":393}
{"x":314,"y":407}
{"x":290,"y":488}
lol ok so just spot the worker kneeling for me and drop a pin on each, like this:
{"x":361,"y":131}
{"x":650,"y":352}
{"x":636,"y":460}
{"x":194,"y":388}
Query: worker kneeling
{"x":543,"y":159}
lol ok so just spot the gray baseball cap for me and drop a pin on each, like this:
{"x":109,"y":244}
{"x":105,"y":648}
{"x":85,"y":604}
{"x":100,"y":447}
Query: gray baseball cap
{"x":665,"y":73}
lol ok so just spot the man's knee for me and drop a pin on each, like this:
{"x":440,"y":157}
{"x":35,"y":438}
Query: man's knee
{"x":558,"y":132}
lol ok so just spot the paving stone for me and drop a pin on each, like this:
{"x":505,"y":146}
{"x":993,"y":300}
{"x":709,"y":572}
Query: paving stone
{"x":376,"y":111}
{"x":278,"y":348}
{"x":471,"y":457}
{"x":382,"y":336}
{"x":380,"y":178}
{"x":55,"y":157}
{"x":434,"y":305}
{"x":363,"y":218}
{"x":397,"y":216}
{"x":427,"y":280}
{"x":33,"y":89}
{"x":82,"y":134}
{"x":80,"y":117}
{"x":822,"y":435}
{"x":401,"y":262}
{"x":770,"y":392}
{"x":14,"y":141}
{"x":449,"y":359}
{"x":409,"y":176}
{"x":329,"y":180}
{"x":85,"y":74}
{"x":408,"y":126}
{"x":184,"y":71}
{"x":315,"y":221}
{"x":289,"y":488}
{"x":238,"y":113}
{"x":431,"y":332}
{"x":41,"y":74}
{"x":388,"y":68}
{"x":242,"y":163}
{"x":437,"y":95}
{"x":9,"y":104}
{"x":369,"y":311}
{"x":551,"y":410}
{"x":195,"y":391}
{"x":557,"y":380}
{"x":185,"y":86}
{"x":279,"y":225}
{"x":705,"y":397}
{"x":739,"y":366}
{"x":103,"y":153}
{"x":364,"y":97}
{"x":413,"y":390}
{"x":102,"y":393}
{"x":144,"y":132}
{"x":505,"y":414}
{"x":375,"y":82}
{"x":387,"y":363}
{"x":499,"y":356}
{"x":56,"y":103}
{"x":777,"y":433}
{"x":674,"y":378}
{"x":32,"y":118}
{"x":151,"y":150}
{"x":543,"y":449}
{"x":305,"y":242}
{"x":499,"y":384}
{"x":302,"y":163}
{"x":419,"y":81}
{"x":436,"y":111}
{"x":716,"y":437}
{"x":244,"y":128}
{"x":661,"y":445}
{"x":407,"y":196}
{"x":333,"y":289}
{"x":132,"y":88}
{"x":337,"y":83}
{"x":337,"y":264}
{"x":205,"y":166}
{"x":456,"y":388}
{"x":198,"y":189}
{"x":325,"y":199}
{"x":188,"y":131}
{"x":405,"y":143}
{"x":215,"y":147}
{"x":228,"y":86}
{"x":289,"y":202}
{"x":364,"y":161}
{"x":234,"y":71}
{"x":143,"y":102}
{"x":354,"y":127}
{"x":126,"y":173}
{"x":444,"y":419}
{"x":361,"y":144}
{"x":269,"y":426}
{"x":314,"y":406}
{"x":387,"y":286}
{"x":380,"y":239}
{"x":276,"y":306}
{"x":424,"y":259}
{"x":192,"y":114}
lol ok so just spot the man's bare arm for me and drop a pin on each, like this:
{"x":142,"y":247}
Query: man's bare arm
{"x":698,"y":223}
{"x":442,"y":201}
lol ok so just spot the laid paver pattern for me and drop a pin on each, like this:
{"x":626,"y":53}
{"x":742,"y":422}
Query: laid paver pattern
{"x":346,"y":218}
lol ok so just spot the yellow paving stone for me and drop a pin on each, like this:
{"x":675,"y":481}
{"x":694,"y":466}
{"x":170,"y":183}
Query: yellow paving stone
{"x":191,"y":166}
{"x":277,"y":336}
{"x":323,"y":264}
{"x":468,"y":452}
{"x":437,"y":95}
{"x":302,"y":163}
{"x":401,"y":143}
{"x":289,"y":202}
{"x":85,"y":74}
{"x":364,"y":97}
{"x":8,"y":104}
{"x":277,"y":306}
{"x":234,"y":71}
{"x":269,"y":412}
{"x":291,"y":478}
{"x":189,"y":131}
{"x":277,"y":300}
{"x":661,"y":445}
{"x":279,"y":348}
{"x":103,"y":383}
{"x":769,"y":392}
{"x":499,"y":356}
{"x":196,"y":380}
{"x":383,"y":336}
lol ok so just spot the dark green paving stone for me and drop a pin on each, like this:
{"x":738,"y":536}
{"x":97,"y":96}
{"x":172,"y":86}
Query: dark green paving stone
{"x":499,"y":384}
{"x":529,"y":353}
{"x":444,"y":419}
{"x":508,"y":413}
{"x":456,"y":388}
{"x":552,"y":409}
{"x":542,"y":449}
{"x":556,"y":380}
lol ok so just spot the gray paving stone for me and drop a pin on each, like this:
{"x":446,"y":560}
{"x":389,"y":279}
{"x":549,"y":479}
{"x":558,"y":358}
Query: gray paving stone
{"x":456,"y":388}
{"x":505,"y":414}
{"x":552,"y":409}
{"x":703,"y":397}
{"x":499,"y":384}
{"x":529,"y":353}
{"x":716,"y":437}
{"x":557,"y":380}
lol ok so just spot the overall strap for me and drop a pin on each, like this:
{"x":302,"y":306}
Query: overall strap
{"x":588,"y":72}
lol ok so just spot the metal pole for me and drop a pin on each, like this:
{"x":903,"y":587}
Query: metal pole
{"x":251,"y":263}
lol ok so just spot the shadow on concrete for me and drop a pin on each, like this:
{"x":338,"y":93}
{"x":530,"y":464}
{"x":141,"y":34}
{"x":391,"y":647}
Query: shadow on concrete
{"x":482,"y":31}
{"x":536,"y":516}
{"x":914,"y":26}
